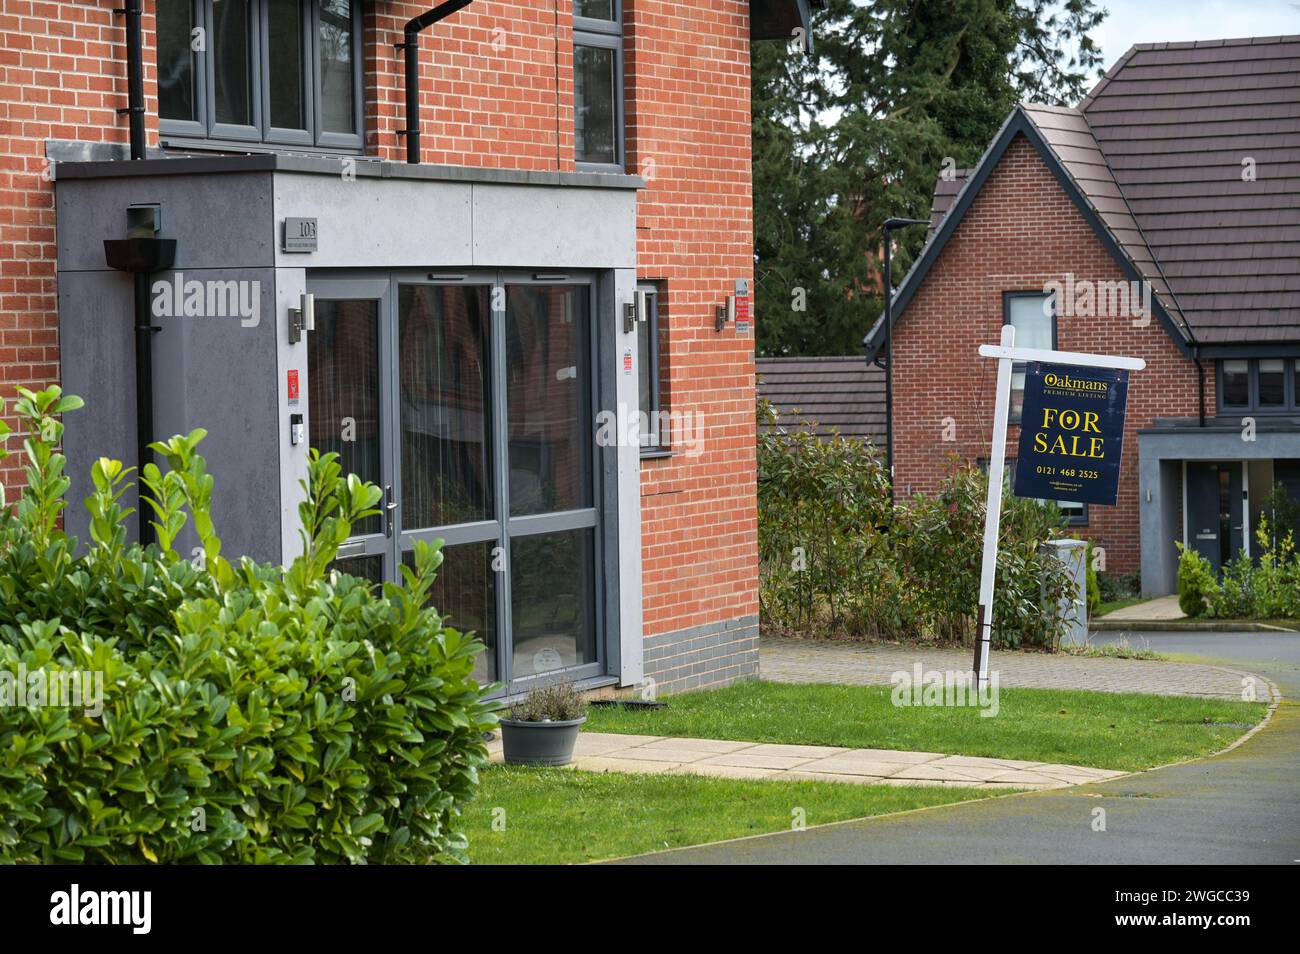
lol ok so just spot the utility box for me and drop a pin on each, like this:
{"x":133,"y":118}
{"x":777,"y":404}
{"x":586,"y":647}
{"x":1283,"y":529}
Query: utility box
{"x":1074,"y":605}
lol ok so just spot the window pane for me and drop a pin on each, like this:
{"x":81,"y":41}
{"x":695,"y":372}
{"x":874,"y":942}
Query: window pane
{"x":442,"y":343}
{"x":464,"y":594}
{"x":176,"y":98}
{"x":646,"y":346}
{"x":548,"y":412}
{"x":232,"y":60}
{"x":337,"y":111}
{"x":552,"y":600}
{"x":287,"y":64}
{"x":1017,"y":391}
{"x":594,"y":9}
{"x":1236,"y":383}
{"x":365,"y":567}
{"x":1033,"y":325}
{"x":1272,"y":383}
{"x":594,"y":112}
{"x":343,"y":390}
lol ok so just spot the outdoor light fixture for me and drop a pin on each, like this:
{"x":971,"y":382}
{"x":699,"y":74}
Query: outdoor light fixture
{"x":725,"y":313}
{"x":302,"y":318}
{"x":638,"y":309}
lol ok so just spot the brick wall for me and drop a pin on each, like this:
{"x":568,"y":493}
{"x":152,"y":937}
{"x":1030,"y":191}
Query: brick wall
{"x":497,"y":90}
{"x":1021,"y":232}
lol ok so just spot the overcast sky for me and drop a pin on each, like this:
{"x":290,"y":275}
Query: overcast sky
{"x":1158,"y":21}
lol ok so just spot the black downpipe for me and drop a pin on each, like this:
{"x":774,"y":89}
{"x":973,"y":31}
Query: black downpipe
{"x":1200,"y":382}
{"x":411,"y":46}
{"x":143,"y":323}
{"x":135,"y":76}
{"x":143,"y":399}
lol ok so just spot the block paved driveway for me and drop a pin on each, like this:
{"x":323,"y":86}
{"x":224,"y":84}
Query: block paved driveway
{"x":798,"y":660}
{"x":1242,"y":806}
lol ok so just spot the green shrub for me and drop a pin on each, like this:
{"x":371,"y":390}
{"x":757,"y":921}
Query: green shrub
{"x":1235,"y":596}
{"x":251,"y":713}
{"x":837,"y":556}
{"x":1196,"y":582}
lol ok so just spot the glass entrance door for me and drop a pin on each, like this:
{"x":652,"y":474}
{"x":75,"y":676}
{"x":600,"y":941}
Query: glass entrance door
{"x":486,"y":440}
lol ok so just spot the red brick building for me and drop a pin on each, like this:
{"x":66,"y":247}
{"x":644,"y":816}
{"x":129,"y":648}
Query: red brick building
{"x":453,"y":300}
{"x":1159,"y":219}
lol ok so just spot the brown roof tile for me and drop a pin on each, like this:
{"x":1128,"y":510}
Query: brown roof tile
{"x":827,"y":395}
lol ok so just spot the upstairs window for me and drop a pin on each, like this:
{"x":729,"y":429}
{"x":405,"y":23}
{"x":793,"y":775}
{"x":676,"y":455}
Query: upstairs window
{"x":1259,"y":385}
{"x":280,"y":72}
{"x":1033,"y":315}
{"x":598,"y":84}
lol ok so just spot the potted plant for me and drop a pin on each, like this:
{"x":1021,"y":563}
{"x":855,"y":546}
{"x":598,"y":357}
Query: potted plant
{"x":543,"y":728}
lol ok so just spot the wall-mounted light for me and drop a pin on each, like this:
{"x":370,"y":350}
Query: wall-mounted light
{"x":638,"y":309}
{"x":725,"y":313}
{"x":302,"y":318}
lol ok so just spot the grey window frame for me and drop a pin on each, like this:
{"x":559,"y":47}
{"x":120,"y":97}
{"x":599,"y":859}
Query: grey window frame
{"x":607,"y":35}
{"x":1290,"y":391}
{"x":205,"y":132}
{"x":1019,"y":367}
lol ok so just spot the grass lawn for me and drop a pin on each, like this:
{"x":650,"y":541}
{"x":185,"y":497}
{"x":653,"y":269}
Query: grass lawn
{"x":1098,"y":729}
{"x":560,"y":816}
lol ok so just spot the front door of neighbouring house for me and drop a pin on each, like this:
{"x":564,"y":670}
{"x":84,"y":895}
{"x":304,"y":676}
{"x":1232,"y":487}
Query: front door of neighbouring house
{"x":469,"y":399}
{"x":1215,"y":510}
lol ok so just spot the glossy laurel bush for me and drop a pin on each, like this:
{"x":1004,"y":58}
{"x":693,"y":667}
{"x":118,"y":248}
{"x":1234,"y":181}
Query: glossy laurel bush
{"x":251,"y":713}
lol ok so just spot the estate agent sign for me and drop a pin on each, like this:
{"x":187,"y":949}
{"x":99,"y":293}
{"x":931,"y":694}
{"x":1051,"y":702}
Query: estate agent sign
{"x":1071,"y":433}
{"x":1072,"y":421}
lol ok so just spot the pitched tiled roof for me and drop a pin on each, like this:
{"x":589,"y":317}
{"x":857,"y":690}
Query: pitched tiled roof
{"x":1157,"y":150}
{"x":1178,"y":123}
{"x":843,"y":395}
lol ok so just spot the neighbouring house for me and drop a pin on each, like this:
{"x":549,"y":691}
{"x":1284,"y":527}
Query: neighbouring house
{"x":449,"y":244}
{"x":826,"y":395}
{"x":1159,"y":219}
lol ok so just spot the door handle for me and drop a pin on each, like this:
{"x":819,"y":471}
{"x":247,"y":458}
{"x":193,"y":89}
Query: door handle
{"x":389,"y":506}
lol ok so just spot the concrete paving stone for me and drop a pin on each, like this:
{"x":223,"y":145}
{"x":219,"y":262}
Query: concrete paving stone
{"x":643,"y":754}
{"x":981,"y":762}
{"x":747,"y":759}
{"x":836,"y":765}
{"x":708,"y":746}
{"x":932,"y":771}
{"x":889,"y":755}
{"x":795,"y":751}
{"x":1028,"y":777}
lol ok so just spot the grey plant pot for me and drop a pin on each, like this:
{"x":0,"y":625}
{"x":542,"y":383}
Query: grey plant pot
{"x":539,"y":743}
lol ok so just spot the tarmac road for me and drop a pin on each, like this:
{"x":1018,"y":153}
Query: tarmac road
{"x":1242,"y":807}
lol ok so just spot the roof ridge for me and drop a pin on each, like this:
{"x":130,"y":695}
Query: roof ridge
{"x":1224,"y":41}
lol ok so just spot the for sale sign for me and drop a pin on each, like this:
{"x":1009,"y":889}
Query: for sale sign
{"x":1071,"y":433}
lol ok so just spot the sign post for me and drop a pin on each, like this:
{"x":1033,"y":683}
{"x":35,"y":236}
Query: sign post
{"x":1083,"y":483}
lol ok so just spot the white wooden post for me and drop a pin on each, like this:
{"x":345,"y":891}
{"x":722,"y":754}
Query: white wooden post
{"x":1007,"y":354}
{"x":993,"y":509}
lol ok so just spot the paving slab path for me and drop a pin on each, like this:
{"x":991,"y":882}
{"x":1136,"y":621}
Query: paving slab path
{"x":648,"y":754}
{"x":854,"y":663}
